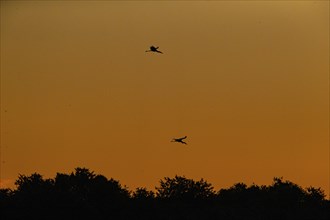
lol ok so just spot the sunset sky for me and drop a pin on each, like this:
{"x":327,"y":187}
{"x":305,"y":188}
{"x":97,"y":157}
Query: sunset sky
{"x":246,"y":81}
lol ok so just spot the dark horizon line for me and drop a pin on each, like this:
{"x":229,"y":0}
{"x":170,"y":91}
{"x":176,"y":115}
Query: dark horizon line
{"x":83,"y":169}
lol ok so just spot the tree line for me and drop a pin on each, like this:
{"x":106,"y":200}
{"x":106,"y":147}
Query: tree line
{"x":83,"y":194}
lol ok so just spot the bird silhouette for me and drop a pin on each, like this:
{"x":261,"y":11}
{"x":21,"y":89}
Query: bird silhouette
{"x":179,"y":140}
{"x":154,"y":49}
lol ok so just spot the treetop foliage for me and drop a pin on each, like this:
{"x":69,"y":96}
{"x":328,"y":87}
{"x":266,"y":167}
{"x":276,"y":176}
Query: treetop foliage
{"x":84,"y":194}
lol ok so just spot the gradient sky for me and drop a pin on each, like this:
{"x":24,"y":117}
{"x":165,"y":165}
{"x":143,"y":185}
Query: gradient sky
{"x":246,"y":81}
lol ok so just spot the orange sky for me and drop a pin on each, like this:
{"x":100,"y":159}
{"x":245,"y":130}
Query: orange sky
{"x":247,"y":82}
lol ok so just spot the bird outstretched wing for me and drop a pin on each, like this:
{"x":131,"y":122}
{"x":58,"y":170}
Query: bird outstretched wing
{"x":183,"y":138}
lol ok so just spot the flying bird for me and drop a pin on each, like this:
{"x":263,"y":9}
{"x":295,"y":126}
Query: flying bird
{"x":179,"y":140}
{"x":154,"y":49}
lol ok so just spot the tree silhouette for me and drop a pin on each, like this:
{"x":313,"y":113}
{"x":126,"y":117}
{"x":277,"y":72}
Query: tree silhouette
{"x":33,"y":189}
{"x":141,"y":193}
{"x":94,"y":193}
{"x":315,"y":195}
{"x":33,"y":183}
{"x":182,"y":188}
{"x":83,"y":194}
